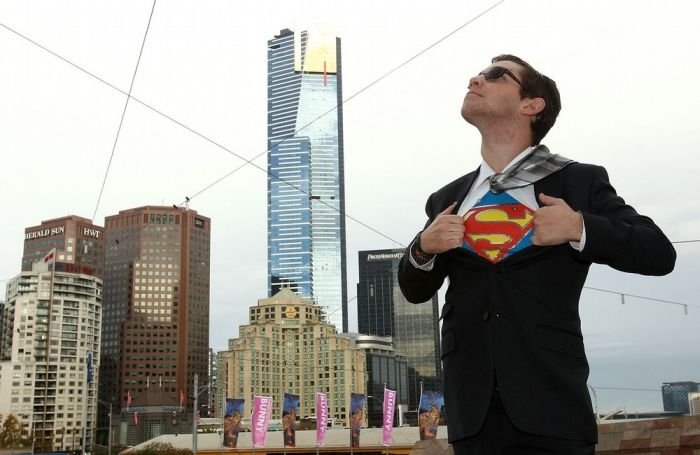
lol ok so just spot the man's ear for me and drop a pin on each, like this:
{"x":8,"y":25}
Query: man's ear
{"x":532,"y":106}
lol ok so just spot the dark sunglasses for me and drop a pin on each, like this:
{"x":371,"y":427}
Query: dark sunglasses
{"x":498,"y":71}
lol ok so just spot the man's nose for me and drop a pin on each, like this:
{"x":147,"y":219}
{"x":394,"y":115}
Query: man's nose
{"x":476,"y":80}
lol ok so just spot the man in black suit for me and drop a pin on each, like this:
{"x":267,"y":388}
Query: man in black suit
{"x":516,"y":238}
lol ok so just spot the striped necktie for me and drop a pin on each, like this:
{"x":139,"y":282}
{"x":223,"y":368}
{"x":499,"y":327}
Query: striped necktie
{"x":533,"y":167}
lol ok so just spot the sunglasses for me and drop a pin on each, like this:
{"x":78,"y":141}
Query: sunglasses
{"x":498,"y":71}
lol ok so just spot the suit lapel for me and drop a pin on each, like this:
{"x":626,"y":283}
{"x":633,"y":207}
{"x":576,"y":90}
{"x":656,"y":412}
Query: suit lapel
{"x":460,"y":192}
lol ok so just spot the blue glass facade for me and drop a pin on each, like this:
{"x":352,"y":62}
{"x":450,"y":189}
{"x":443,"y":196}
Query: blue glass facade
{"x":305,"y":188}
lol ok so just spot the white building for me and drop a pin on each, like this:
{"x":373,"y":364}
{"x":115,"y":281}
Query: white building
{"x":51,"y":323}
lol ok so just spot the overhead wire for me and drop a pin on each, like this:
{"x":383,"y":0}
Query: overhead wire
{"x":250,"y":161}
{"x":126,"y":104}
{"x":247,"y":161}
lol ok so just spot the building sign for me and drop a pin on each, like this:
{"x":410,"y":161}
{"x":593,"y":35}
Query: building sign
{"x":44,"y":233}
{"x":90,"y":232}
{"x":384,"y":256}
{"x":198,"y":222}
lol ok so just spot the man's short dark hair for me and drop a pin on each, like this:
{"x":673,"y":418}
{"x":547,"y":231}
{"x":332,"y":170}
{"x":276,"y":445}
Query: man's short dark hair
{"x":536,"y":84}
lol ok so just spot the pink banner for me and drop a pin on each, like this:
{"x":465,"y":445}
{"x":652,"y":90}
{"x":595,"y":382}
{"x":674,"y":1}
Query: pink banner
{"x":388,"y":419}
{"x":321,"y":418}
{"x":262,"y":408}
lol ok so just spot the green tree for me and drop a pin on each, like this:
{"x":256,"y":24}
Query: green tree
{"x":11,"y":433}
{"x":162,"y":448}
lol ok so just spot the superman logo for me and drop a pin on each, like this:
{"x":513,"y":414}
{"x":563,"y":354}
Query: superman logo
{"x":498,"y":226}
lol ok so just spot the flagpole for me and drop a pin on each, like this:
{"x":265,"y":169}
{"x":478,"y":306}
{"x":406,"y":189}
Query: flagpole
{"x":85,"y":406}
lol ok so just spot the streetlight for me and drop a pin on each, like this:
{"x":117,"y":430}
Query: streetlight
{"x":197,"y":392}
{"x":109,"y":430}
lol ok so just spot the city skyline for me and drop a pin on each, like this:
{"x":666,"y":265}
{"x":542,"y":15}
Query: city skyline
{"x":205,"y":67}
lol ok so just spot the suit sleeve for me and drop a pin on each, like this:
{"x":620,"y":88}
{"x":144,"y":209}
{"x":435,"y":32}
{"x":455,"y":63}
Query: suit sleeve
{"x":418,"y":285}
{"x":618,"y":236}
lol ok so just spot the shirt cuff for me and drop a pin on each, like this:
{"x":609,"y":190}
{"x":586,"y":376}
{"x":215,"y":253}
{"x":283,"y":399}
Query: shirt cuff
{"x":581,"y":244}
{"x":428,"y":266}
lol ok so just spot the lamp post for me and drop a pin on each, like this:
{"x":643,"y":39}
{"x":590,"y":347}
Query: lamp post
{"x":197,"y":392}
{"x":109,"y":429}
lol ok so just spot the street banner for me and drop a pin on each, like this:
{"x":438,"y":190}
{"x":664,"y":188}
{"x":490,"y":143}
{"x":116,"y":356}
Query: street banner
{"x":290,"y":407}
{"x":388,"y":416}
{"x":232,"y":421}
{"x":429,"y":414}
{"x":321,"y":418}
{"x":357,"y":408}
{"x":262,"y":407}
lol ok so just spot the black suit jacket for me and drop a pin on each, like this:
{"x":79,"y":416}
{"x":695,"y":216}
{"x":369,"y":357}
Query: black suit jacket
{"x":517,"y":321}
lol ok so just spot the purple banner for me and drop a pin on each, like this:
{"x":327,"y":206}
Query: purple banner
{"x":429,"y":414}
{"x":388,"y":418}
{"x":357,"y":407}
{"x":321,"y":418}
{"x":262,"y":408}
{"x":232,"y":421}
{"x":289,"y":417}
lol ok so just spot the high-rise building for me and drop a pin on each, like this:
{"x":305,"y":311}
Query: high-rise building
{"x":675,"y":395}
{"x":51,"y":327}
{"x":382,"y":310}
{"x":305,"y":186}
{"x":156,"y":313}
{"x":288,"y":348}
{"x":79,"y":245}
{"x":385,"y":369}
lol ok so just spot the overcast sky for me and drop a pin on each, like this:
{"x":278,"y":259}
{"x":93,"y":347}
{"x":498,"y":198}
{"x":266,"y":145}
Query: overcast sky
{"x":627,"y":71}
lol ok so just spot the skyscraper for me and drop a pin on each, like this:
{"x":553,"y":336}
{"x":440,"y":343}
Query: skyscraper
{"x":305,"y":187}
{"x":382,"y":310}
{"x":156,"y":310}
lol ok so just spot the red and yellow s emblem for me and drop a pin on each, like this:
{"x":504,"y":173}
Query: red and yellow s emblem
{"x":495,"y":231}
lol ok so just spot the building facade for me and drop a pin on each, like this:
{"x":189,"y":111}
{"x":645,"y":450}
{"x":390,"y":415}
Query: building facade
{"x":51,"y":325}
{"x":382,"y":310}
{"x":306,"y":188}
{"x":288,"y":348}
{"x":675,"y":395}
{"x":385,"y":369}
{"x":79,"y":245}
{"x":156,"y":314}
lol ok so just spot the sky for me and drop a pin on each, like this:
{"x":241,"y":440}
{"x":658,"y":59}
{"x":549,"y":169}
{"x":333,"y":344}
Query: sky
{"x":627,"y":72}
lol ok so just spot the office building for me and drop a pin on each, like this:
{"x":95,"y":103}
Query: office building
{"x":156,"y":315}
{"x":383,"y":311}
{"x":305,"y":189}
{"x":288,"y":348}
{"x":79,"y":245}
{"x":675,"y":395}
{"x":51,"y":326}
{"x":385,"y":369}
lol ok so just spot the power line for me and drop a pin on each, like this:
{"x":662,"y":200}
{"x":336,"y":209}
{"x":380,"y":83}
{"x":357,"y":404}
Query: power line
{"x":126,"y":104}
{"x":250,"y":161}
{"x":624,"y":294}
{"x":630,"y":389}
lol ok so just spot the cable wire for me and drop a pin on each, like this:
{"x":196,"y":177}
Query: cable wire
{"x":126,"y":104}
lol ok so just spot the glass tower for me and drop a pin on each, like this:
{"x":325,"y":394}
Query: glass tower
{"x":305,"y":186}
{"x":382,"y":310}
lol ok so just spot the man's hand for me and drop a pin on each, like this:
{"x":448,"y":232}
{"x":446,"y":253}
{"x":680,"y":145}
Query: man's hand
{"x":445,"y":233}
{"x":556,"y":223}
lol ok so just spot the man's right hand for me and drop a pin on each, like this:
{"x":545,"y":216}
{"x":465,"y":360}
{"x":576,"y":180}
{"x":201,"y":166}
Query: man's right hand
{"x":445,"y":233}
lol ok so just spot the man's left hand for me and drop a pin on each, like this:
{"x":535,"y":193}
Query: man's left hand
{"x":556,"y":222}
